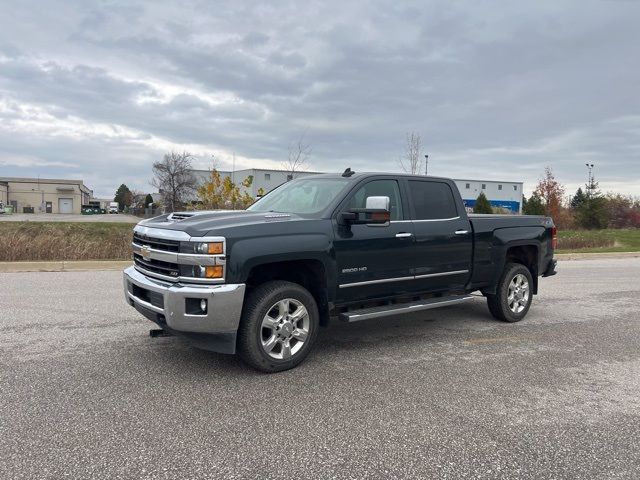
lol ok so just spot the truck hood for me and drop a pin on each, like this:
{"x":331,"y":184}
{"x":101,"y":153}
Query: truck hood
{"x":200,"y":223}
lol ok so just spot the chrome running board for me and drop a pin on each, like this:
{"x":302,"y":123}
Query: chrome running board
{"x":399,"y":308}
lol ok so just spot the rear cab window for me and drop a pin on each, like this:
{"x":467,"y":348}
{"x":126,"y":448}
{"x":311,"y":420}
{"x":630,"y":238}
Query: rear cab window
{"x":432,"y":200}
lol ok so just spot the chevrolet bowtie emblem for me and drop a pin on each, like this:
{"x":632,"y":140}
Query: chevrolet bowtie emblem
{"x":146,"y":252}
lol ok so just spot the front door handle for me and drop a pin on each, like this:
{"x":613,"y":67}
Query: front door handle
{"x":404,"y":235}
{"x":462,"y":232}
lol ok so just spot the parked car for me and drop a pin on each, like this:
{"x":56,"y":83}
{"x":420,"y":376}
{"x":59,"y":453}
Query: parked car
{"x":113,"y":207}
{"x":347,"y":247}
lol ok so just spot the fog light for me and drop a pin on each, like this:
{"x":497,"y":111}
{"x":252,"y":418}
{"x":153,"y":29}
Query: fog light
{"x":203,"y":305}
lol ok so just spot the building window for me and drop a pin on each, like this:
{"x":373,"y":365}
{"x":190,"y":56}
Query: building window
{"x":467,"y":186}
{"x":515,"y":188}
{"x":289,"y":177}
{"x":499,"y":187}
{"x":267,"y":176}
{"x":484,"y":186}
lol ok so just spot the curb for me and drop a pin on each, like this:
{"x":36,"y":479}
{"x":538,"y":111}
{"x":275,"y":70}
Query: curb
{"x":64,"y":266}
{"x":596,"y":256}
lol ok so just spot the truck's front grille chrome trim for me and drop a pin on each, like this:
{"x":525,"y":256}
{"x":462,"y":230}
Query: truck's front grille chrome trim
{"x":400,"y":279}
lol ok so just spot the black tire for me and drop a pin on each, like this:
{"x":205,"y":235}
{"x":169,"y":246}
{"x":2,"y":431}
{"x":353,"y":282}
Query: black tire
{"x":498,"y":304}
{"x":261,"y":302}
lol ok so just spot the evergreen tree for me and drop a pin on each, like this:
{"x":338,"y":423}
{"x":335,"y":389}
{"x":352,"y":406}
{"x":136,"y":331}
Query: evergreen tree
{"x":482,"y":204}
{"x":123,"y":197}
{"x":592,"y":213}
{"x":147,"y":200}
{"x":534,"y":206}
{"x":578,"y":199}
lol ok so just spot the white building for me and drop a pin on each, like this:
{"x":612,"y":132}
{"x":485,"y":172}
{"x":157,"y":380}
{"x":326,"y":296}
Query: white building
{"x":505,"y":195}
{"x":264,"y":180}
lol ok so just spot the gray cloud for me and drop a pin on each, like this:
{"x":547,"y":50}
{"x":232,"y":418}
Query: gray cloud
{"x":497,"y":89}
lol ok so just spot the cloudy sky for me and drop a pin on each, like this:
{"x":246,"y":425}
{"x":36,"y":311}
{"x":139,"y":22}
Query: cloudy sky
{"x":99,"y":90}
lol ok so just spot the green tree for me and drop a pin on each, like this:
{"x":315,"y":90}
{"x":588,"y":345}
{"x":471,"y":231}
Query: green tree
{"x":533,"y":206}
{"x":148,"y":199}
{"x":482,"y":204}
{"x":123,"y":197}
{"x":578,"y":199}
{"x":592,"y":214}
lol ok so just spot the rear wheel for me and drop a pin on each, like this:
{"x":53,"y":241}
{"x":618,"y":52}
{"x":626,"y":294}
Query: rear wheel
{"x":278,"y":327}
{"x":513,"y":295}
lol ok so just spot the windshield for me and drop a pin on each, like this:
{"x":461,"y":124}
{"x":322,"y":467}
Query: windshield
{"x":302,"y":196}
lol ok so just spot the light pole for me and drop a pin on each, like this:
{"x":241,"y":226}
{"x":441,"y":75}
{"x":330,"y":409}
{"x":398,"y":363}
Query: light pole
{"x":426,"y":164}
{"x":590,"y":177}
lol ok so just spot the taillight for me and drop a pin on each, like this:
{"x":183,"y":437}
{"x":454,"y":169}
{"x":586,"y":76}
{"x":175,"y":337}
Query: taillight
{"x":554,"y":237}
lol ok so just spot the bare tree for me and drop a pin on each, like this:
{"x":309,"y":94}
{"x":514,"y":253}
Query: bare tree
{"x":297,"y":157}
{"x":411,"y":161}
{"x":174,"y":179}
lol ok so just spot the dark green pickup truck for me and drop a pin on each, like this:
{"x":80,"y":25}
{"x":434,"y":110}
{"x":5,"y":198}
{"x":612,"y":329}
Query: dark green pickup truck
{"x":348,"y":247}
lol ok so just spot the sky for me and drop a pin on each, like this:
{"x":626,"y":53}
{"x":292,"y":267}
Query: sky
{"x":99,"y":90}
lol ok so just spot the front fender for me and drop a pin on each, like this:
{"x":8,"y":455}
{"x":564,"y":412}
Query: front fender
{"x":250,"y":252}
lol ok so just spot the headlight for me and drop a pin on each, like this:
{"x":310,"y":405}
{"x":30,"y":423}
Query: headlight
{"x":211,"y":248}
{"x":203,"y":248}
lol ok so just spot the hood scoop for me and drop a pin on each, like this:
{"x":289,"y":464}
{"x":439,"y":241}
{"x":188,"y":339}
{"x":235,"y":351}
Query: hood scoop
{"x":177,"y":216}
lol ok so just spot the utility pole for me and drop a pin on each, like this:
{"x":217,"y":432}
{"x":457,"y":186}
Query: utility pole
{"x":426,"y":164}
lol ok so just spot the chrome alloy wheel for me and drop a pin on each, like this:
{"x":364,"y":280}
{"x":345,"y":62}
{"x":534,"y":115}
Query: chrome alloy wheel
{"x":284,"y":329}
{"x":518,"y":296}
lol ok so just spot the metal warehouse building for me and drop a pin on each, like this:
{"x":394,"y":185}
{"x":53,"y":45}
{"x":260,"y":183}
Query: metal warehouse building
{"x":264,"y":179}
{"x":44,"y":195}
{"x":504,"y":195}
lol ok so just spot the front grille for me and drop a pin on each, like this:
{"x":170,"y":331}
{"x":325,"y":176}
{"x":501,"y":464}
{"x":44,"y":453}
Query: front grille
{"x":162,"y":258}
{"x":157,"y":266}
{"x":157,"y":243}
{"x":154,"y":298}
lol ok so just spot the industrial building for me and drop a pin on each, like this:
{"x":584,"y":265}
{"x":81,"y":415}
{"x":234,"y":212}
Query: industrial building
{"x":264,"y":180}
{"x":501,"y":194}
{"x":44,"y":195}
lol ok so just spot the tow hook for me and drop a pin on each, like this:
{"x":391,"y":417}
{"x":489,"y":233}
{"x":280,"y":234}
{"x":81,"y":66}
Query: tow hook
{"x":158,"y":332}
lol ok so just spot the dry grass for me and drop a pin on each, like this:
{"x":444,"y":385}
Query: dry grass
{"x":583,"y":242}
{"x":32,"y":241}
{"x":609,"y":240}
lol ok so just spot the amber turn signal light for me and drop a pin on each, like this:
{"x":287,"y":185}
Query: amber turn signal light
{"x":213,"y":271}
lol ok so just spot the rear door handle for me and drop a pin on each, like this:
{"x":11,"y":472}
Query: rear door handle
{"x":462,"y":232}
{"x":404,"y":235}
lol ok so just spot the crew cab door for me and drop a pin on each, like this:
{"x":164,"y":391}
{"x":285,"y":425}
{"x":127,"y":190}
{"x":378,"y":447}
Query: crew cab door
{"x":443,"y":237}
{"x":374,"y":260}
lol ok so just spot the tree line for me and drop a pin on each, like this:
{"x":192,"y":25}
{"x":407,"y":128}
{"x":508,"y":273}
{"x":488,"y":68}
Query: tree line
{"x":587,"y":208}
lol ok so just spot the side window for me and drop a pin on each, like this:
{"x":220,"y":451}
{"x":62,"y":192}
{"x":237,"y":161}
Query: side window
{"x":432,"y":200}
{"x":379,"y":188}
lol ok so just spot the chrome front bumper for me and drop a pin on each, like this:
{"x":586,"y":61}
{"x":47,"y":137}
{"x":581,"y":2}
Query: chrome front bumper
{"x":165,"y":304}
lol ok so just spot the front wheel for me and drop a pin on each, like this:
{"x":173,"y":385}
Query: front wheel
{"x":278,"y":327}
{"x":513,"y":295}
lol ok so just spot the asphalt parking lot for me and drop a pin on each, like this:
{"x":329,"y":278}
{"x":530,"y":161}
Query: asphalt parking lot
{"x":451,"y":393}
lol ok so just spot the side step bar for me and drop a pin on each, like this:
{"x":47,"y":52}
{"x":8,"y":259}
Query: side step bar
{"x":399,"y":308}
